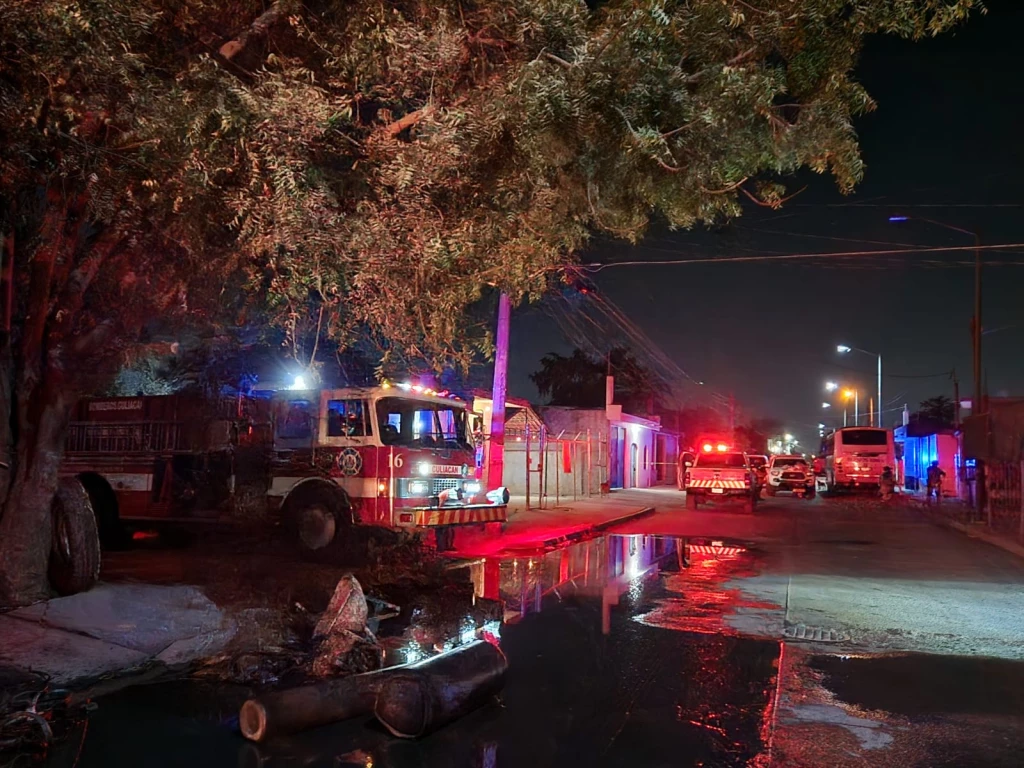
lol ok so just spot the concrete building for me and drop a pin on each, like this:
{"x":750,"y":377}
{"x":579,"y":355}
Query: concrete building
{"x":563,"y":452}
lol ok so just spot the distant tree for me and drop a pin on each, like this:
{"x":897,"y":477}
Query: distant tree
{"x":753,"y":437}
{"x":579,"y":380}
{"x":700,"y":420}
{"x":574,"y":380}
{"x":937,"y":412}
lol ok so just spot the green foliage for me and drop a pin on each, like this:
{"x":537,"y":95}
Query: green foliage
{"x":937,"y":412}
{"x":578,"y":380}
{"x":372,"y":169}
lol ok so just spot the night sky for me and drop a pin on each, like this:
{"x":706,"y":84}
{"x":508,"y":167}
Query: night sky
{"x":945,"y":144}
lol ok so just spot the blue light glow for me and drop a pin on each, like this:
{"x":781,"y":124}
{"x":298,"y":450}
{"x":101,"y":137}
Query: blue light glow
{"x":898,"y":218}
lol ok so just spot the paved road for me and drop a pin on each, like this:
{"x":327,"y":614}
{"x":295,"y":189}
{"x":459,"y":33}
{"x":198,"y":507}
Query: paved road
{"x":902,"y":641}
{"x":830,"y":632}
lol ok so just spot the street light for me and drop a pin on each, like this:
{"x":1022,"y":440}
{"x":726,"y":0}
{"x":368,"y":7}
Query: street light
{"x":976,"y":330}
{"x":826,"y":405}
{"x":847,"y":394}
{"x":831,"y":386}
{"x":844,"y":349}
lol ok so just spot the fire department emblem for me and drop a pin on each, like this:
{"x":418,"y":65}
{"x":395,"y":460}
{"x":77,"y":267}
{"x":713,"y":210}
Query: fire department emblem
{"x":350,"y":461}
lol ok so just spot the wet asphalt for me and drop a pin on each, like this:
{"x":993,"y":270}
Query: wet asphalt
{"x":665,"y":647}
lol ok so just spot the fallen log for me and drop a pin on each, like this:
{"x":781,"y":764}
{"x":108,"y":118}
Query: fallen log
{"x":307,"y":706}
{"x":417,"y":699}
{"x":410,"y":700}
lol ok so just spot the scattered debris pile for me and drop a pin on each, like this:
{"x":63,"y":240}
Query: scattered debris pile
{"x":345,"y":643}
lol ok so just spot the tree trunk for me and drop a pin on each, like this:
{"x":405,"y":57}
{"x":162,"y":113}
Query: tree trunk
{"x":25,"y":525}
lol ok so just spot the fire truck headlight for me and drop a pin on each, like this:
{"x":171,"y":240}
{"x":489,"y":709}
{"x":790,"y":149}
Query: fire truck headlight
{"x":472,"y":487}
{"x":424,"y":468}
{"x":419,"y":487}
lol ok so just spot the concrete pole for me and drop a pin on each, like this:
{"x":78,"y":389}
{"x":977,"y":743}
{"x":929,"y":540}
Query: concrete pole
{"x":527,"y":461}
{"x":496,"y":451}
{"x":880,"y":420}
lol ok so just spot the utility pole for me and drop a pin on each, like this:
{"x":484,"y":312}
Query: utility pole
{"x":956,"y":401}
{"x":976,"y":406}
{"x":732,"y":417}
{"x":496,"y":448}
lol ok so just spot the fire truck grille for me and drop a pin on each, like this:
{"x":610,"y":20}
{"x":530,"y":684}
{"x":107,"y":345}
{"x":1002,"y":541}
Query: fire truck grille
{"x":439,"y":484}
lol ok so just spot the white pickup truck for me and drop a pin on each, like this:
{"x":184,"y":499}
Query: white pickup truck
{"x":720,"y":476}
{"x":790,"y":473}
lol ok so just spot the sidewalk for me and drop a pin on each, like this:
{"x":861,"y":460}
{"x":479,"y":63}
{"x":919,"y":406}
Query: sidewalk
{"x":959,"y":516}
{"x":543,"y":528}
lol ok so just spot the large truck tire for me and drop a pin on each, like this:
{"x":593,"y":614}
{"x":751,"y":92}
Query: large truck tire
{"x":317,"y":517}
{"x":113,"y":535}
{"x":75,"y":546}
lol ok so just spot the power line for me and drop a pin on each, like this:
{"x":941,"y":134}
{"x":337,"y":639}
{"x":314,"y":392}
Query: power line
{"x":797,"y":256}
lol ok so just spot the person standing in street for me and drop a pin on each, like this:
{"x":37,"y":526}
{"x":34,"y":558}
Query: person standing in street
{"x":935,"y":477}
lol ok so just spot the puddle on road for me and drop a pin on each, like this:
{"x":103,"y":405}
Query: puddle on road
{"x":921,"y":685}
{"x":593,"y":679}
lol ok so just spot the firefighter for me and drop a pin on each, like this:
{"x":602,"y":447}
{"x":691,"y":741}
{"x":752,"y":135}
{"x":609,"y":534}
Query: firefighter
{"x":887,"y":484}
{"x":935,"y":477}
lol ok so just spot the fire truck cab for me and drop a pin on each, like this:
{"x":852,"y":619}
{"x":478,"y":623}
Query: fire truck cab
{"x":397,"y":456}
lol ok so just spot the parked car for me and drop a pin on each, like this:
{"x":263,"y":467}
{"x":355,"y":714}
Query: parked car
{"x":790,"y":473}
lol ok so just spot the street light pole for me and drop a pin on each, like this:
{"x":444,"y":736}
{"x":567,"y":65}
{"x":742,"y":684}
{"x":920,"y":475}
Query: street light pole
{"x":878,"y":419}
{"x":843,"y":349}
{"x":976,"y":405}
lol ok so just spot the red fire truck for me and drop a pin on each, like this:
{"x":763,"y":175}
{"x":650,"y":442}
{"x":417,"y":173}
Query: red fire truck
{"x":400,"y":457}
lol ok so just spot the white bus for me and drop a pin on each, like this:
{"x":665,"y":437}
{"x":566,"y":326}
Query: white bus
{"x":856,"y":456}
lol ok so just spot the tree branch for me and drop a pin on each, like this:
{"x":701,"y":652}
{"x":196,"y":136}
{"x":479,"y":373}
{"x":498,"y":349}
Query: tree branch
{"x":725,"y":190}
{"x":775,"y":204}
{"x":557,"y":60}
{"x":258,"y":30}
{"x":409,"y":120}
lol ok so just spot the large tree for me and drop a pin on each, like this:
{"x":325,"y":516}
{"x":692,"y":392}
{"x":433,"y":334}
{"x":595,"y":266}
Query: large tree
{"x":369,"y":169}
{"x":578,"y":380}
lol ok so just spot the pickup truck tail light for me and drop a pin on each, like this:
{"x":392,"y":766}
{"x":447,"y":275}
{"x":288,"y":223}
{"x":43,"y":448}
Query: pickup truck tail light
{"x":686,"y":478}
{"x":746,"y":480}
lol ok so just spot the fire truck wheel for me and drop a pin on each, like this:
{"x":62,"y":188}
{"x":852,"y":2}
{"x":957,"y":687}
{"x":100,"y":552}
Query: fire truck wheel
{"x":104,"y":505}
{"x":691,"y":501}
{"x":317,"y":518}
{"x":75,"y":546}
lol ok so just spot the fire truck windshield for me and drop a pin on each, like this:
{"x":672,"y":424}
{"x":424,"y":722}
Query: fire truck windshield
{"x":421,"y":424}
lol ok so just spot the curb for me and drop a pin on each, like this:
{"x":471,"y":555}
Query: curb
{"x":973,"y":533}
{"x":595,"y":528}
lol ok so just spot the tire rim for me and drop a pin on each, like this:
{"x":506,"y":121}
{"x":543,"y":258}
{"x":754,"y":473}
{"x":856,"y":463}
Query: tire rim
{"x":316,"y":527}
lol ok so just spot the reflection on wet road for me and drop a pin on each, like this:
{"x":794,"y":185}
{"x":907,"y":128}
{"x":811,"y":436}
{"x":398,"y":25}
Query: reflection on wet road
{"x":594,"y":678}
